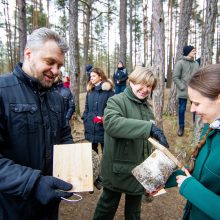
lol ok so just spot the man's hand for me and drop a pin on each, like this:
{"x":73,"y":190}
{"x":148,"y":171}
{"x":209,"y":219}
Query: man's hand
{"x":49,"y":188}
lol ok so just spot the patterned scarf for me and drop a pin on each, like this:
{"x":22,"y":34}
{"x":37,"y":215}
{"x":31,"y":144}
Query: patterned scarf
{"x":215,"y":124}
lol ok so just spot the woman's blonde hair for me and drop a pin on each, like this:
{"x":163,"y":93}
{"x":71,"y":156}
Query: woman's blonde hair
{"x":100,"y":73}
{"x":143,"y":75}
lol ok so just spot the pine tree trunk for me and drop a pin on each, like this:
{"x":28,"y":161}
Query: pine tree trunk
{"x":159,"y":56}
{"x":170,"y":61}
{"x":130,"y":36}
{"x":22,"y":27}
{"x":184,"y":25}
{"x":208,"y":32}
{"x":74,"y":51}
{"x":83,"y":78}
{"x":145,"y":30}
{"x":123,"y":30}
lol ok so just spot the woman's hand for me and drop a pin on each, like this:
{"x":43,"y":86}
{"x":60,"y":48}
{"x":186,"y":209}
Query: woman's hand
{"x":180,"y":179}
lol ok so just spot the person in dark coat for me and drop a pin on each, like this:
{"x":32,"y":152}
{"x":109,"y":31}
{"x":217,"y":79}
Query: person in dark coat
{"x":120,"y":77}
{"x":66,"y":93}
{"x":32,"y":120}
{"x":99,"y":89}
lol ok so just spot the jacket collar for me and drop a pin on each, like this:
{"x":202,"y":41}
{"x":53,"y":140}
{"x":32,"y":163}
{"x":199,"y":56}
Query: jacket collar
{"x":188,"y":58}
{"x":215,"y":124}
{"x":98,"y":87}
{"x":30,"y":81}
{"x":129,"y":93}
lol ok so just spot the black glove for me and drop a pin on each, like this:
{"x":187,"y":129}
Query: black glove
{"x":158,"y":134}
{"x":49,"y":188}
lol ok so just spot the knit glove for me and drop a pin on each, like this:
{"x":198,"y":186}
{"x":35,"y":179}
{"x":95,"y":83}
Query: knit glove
{"x":49,"y":188}
{"x":158,"y":134}
{"x":98,"y":119}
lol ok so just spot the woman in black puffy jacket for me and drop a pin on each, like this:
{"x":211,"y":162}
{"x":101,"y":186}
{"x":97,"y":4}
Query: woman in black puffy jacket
{"x":99,"y":89}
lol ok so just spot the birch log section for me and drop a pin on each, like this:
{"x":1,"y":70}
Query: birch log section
{"x":165,"y":151}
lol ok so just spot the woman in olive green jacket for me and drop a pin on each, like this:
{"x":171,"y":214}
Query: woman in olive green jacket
{"x":202,"y":187}
{"x":128,"y":122}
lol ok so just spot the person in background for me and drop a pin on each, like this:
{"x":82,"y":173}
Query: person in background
{"x":65,"y":77}
{"x":200,"y":185}
{"x":99,"y":89}
{"x":88,"y":71}
{"x":32,"y":120}
{"x":128,"y":123}
{"x":66,"y":82}
{"x":66,"y":93}
{"x":183,"y":71}
{"x":120,"y":77}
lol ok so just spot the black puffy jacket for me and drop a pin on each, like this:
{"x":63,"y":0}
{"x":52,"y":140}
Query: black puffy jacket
{"x":96,"y":101}
{"x":31,"y":122}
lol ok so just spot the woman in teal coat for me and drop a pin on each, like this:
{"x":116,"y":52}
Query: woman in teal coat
{"x":201,"y":188}
{"x":128,"y":124}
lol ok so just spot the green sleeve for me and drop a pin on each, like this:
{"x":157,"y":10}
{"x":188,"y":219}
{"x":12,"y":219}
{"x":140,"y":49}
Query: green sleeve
{"x":118,"y":126}
{"x":171,"y":182}
{"x":201,"y":197}
{"x":177,"y":75}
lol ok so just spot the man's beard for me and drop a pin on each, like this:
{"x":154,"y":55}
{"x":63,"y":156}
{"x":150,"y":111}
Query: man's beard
{"x":44,"y":85}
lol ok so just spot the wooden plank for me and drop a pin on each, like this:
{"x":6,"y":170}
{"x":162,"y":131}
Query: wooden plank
{"x":165,"y":151}
{"x":73,"y":164}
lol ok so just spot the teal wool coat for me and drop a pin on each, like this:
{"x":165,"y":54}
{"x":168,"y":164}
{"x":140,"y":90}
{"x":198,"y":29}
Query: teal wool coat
{"x":202,"y":189}
{"x":127,"y":126}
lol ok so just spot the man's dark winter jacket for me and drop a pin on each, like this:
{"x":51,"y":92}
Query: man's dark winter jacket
{"x":31,"y":122}
{"x":69,"y":102}
{"x":95,"y":104}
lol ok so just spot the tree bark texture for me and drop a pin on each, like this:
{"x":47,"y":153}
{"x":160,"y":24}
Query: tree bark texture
{"x":145,"y":30}
{"x":208,"y":32}
{"x":74,"y":51}
{"x":159,"y":56}
{"x":123,"y":30}
{"x":170,"y":60}
{"x":184,"y":25}
{"x":130,"y":65}
{"x":83,"y":77}
{"x":22,"y":27}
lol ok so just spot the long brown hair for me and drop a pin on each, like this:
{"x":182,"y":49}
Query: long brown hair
{"x":101,"y":73}
{"x":207,"y":82}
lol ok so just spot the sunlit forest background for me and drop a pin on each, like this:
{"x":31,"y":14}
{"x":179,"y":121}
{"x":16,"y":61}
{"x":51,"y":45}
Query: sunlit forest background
{"x":102,"y":32}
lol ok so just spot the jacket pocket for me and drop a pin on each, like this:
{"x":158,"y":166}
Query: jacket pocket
{"x":24,"y":118}
{"x":56,"y":118}
{"x":124,"y":180}
{"x":122,"y":168}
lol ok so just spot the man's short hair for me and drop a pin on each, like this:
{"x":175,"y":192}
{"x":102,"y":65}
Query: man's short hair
{"x":42,"y":35}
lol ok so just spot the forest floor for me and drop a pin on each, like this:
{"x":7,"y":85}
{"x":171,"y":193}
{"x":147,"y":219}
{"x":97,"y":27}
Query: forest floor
{"x":168,"y":206}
